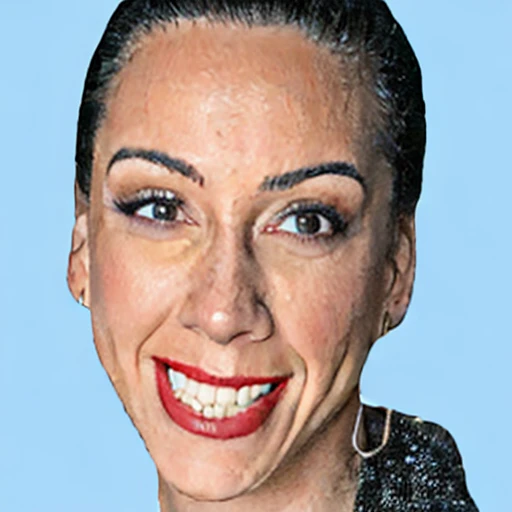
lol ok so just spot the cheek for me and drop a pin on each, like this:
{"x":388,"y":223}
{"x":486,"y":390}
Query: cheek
{"x":318,"y":307}
{"x":131,"y":292}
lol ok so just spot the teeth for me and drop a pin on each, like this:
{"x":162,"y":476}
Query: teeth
{"x":255,"y":391}
{"x":212,"y":401}
{"x":172,"y":378}
{"x":196,"y":405}
{"x":177,"y":379}
{"x":208,"y":412}
{"x":181,"y":380}
{"x":192,"y":387}
{"x":265,"y":389}
{"x":187,"y":399}
{"x":232,"y":410}
{"x":243,"y":397}
{"x":226,"y":396}
{"x":206,"y":394}
{"x":219,"y":411}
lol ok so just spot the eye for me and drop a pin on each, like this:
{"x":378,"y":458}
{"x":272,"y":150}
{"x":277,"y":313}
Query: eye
{"x":160,"y":206}
{"x":161,"y":210}
{"x":306,"y":224}
{"x":310,"y":221}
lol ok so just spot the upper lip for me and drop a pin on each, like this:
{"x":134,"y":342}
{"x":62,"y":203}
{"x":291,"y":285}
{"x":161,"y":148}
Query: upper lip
{"x":200,"y":375}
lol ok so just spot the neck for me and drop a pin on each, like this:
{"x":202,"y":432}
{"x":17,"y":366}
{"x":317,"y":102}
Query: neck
{"x":321,"y":477}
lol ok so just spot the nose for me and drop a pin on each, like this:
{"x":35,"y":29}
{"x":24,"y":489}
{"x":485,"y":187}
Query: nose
{"x":224,"y":302}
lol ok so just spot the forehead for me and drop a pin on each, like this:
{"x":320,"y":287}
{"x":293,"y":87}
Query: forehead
{"x":256,"y":91}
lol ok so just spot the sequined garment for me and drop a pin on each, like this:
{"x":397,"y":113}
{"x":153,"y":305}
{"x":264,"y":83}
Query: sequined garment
{"x":420,"y":468}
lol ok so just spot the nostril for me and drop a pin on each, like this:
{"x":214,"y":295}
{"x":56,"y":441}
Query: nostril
{"x":263,"y":327}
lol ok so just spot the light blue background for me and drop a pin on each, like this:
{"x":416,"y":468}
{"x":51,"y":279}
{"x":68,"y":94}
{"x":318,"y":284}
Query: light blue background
{"x":65,"y":442}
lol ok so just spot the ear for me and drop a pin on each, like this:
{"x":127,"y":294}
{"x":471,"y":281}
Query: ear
{"x":78,"y":264}
{"x":403,"y":261}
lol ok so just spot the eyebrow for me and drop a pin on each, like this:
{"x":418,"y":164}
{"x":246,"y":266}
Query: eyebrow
{"x":293,"y":178}
{"x":158,"y":158}
{"x":271,"y":183}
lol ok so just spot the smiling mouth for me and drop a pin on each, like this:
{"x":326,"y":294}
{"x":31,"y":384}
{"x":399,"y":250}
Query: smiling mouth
{"x":216,"y":407}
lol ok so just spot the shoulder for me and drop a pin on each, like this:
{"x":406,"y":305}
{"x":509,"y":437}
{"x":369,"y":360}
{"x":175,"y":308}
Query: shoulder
{"x":419,"y":469}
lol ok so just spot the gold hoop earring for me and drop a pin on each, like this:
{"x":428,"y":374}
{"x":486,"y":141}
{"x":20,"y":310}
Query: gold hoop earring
{"x":386,"y":324}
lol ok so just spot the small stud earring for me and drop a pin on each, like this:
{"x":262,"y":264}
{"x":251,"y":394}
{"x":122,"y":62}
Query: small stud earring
{"x":386,"y":324}
{"x":81,"y":299}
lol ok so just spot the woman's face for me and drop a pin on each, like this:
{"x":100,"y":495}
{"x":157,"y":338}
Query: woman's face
{"x":204,"y":255}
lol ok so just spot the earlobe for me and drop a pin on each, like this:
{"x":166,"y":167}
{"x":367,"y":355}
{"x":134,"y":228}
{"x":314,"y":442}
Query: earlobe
{"x":404,"y":266}
{"x":78,"y":264}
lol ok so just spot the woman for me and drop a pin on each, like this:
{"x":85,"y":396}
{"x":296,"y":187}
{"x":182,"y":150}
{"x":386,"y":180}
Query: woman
{"x":247,"y":175}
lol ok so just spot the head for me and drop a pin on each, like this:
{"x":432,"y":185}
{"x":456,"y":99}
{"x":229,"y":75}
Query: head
{"x":247,"y":175}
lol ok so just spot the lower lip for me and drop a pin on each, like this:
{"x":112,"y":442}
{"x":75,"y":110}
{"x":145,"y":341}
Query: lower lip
{"x":242,"y":424}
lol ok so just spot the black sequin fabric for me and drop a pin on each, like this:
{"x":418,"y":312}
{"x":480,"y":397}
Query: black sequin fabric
{"x":419,"y":469}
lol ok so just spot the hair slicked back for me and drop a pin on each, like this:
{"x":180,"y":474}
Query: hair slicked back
{"x":351,"y":27}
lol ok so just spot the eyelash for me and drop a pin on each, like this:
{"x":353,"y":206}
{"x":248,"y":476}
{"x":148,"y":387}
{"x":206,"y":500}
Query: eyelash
{"x":338,"y":224}
{"x":147,"y":197}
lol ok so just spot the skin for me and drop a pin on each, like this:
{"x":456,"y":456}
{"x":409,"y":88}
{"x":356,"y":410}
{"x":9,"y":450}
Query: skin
{"x":230,"y":286}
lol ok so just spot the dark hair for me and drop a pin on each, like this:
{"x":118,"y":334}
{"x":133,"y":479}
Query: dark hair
{"x":363,"y":29}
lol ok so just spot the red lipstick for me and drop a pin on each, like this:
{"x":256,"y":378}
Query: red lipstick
{"x":242,"y":424}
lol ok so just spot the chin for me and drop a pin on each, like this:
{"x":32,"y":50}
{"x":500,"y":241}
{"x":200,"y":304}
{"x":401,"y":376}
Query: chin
{"x":207,"y":481}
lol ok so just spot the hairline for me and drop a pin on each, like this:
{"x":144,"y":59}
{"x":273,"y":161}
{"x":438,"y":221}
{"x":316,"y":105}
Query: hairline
{"x":366,"y":109}
{"x":372,"y":40}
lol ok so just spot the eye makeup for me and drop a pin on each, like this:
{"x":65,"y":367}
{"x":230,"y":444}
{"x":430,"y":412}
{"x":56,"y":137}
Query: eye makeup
{"x":130,"y":206}
{"x":309,"y":222}
{"x":338,"y":225}
{"x":159,"y":209}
